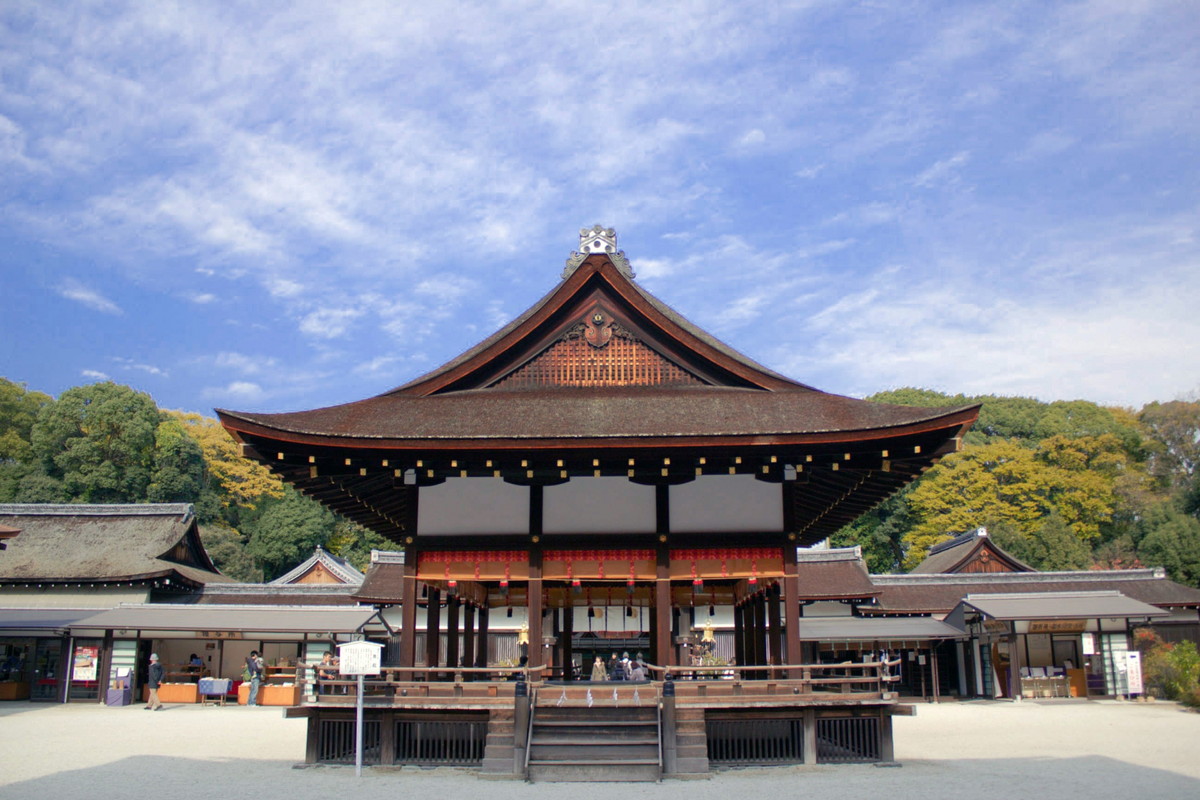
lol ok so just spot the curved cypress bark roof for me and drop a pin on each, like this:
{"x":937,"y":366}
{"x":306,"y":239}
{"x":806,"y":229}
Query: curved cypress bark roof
{"x":601,"y":377}
{"x":104,"y":543}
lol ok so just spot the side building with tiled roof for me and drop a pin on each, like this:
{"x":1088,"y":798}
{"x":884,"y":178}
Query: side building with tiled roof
{"x":1074,"y":632}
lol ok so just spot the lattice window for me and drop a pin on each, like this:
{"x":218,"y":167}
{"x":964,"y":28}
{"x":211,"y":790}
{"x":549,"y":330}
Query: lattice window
{"x":622,"y":361}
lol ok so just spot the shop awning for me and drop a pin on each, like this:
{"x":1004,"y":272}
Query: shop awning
{"x":874,"y":629}
{"x":216,"y":618}
{"x":1056,"y":605}
{"x":40,"y":621}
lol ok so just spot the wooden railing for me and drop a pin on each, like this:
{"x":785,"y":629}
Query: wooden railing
{"x":842,"y":682}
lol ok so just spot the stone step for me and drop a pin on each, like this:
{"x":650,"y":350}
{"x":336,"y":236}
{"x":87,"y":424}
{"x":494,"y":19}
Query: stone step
{"x":590,"y":772}
{"x":599,"y":753}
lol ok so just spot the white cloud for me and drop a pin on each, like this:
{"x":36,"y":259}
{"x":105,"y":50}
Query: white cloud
{"x":329,"y":323}
{"x":94,"y":375}
{"x":752,"y":138}
{"x":84,"y":295}
{"x":237,"y":392}
{"x":202,"y":298}
{"x":247,"y":365}
{"x":129,"y":364}
{"x":944,"y":171}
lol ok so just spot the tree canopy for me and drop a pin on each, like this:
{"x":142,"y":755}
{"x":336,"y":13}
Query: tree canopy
{"x":106,"y":443}
{"x":1063,"y":485}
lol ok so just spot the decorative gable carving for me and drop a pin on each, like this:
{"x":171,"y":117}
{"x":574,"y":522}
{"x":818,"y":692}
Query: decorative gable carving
{"x":597,"y":351}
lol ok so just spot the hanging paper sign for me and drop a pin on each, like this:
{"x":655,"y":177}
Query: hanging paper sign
{"x":359,"y":658}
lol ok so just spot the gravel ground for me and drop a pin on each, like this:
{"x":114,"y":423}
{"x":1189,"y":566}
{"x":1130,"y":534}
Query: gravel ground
{"x":979,"y":750}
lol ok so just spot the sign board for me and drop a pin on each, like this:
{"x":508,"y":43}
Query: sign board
{"x":85,"y":663}
{"x":1133,"y":672}
{"x":359,"y":658}
{"x":1089,"y":644}
{"x":1058,"y":625}
{"x":995,"y":626}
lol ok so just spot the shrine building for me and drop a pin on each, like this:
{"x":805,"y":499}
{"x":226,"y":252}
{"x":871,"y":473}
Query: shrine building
{"x":598,"y":454}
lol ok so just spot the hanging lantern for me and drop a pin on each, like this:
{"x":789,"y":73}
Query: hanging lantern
{"x":629,"y":585}
{"x":576,"y":586}
{"x":504,"y":588}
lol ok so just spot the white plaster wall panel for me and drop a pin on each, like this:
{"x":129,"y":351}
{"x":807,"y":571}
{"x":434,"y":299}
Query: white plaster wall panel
{"x":598,"y":505}
{"x":717,"y":503}
{"x":473,"y":505}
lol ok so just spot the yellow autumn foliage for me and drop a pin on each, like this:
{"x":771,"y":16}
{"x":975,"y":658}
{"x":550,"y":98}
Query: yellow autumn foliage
{"x":244,"y":482}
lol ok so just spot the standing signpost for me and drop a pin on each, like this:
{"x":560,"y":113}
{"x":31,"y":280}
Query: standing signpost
{"x":359,"y":658}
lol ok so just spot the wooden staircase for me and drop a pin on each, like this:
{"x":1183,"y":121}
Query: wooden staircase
{"x":578,"y":743}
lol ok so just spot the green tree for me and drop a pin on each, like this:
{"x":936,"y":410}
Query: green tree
{"x":287,"y":531}
{"x":880,"y":533}
{"x":18,"y":411}
{"x":99,"y":441}
{"x":1005,"y":482}
{"x":1175,"y":431}
{"x":1052,"y":545}
{"x":178,"y":475}
{"x":1171,"y":539}
{"x":354,"y":543}
{"x":227,"y":549}
{"x":237,"y":482}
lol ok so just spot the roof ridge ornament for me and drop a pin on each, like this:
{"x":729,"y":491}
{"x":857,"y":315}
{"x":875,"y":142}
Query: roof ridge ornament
{"x":598,"y":239}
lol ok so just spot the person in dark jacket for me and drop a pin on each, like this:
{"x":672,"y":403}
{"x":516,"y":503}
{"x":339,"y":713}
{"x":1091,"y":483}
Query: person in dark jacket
{"x":254,"y":668}
{"x":156,"y":679}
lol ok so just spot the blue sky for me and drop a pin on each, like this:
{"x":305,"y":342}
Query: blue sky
{"x":266,"y":206}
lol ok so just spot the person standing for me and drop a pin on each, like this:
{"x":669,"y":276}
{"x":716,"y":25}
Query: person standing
{"x":156,"y":679}
{"x":599,"y":672}
{"x":254,"y":669}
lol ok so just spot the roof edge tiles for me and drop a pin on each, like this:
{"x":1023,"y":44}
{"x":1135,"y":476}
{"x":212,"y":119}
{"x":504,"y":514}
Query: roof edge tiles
{"x":810,"y":555}
{"x":183,"y":510}
{"x":940,"y":578}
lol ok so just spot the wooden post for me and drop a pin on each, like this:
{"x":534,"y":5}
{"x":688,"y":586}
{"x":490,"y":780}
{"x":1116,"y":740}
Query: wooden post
{"x":433,"y":630}
{"x":537,"y":654}
{"x":453,"y":606}
{"x":791,"y":608}
{"x":758,"y":639}
{"x":809,"y":748}
{"x":662,"y":608}
{"x":481,"y":648}
{"x":774,"y":630}
{"x":739,"y":635}
{"x":468,"y":639}
{"x":566,"y":639}
{"x":408,"y":610}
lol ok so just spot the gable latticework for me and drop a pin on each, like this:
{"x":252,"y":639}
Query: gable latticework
{"x":575,"y":361}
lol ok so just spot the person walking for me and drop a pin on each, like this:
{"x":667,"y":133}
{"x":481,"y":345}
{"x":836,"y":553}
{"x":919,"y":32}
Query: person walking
{"x":253,"y":673}
{"x":156,"y":679}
